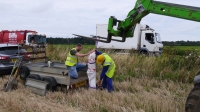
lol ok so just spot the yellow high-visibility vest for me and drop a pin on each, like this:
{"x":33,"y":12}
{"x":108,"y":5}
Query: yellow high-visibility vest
{"x":71,"y":59}
{"x":112,"y":66}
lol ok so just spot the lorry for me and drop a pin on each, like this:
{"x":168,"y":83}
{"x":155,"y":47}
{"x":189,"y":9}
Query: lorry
{"x":123,"y":29}
{"x":21,"y":37}
{"x":145,"y":41}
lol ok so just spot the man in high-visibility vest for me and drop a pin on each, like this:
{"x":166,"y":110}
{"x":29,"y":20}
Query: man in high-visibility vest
{"x":107,"y":72}
{"x":72,"y":61}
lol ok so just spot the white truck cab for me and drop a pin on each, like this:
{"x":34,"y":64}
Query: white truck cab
{"x":32,"y":38}
{"x":145,"y":40}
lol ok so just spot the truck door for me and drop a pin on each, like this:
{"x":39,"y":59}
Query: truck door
{"x":148,"y":41}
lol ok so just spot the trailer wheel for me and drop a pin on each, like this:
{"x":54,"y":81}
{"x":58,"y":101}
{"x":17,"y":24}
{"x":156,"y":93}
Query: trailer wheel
{"x":34,"y":76}
{"x":51,"y":83}
{"x":24,"y":72}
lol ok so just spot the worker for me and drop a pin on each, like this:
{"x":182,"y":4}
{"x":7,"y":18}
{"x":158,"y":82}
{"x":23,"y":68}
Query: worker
{"x":72,"y":61}
{"x":107,"y":72}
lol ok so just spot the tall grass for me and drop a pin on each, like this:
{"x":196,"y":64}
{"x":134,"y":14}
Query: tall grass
{"x":171,"y":65}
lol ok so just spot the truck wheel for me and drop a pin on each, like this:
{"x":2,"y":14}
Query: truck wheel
{"x":193,"y":100}
{"x":34,"y":76}
{"x":51,"y":83}
{"x":145,"y":53}
{"x":24,"y":73}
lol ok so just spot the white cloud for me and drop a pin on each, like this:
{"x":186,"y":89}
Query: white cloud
{"x":64,"y":17}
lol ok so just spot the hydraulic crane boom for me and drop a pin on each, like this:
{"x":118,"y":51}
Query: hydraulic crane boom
{"x":142,"y":8}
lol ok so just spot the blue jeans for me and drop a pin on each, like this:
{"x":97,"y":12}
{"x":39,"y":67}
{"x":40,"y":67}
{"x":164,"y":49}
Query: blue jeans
{"x":73,"y":71}
{"x":107,"y":83}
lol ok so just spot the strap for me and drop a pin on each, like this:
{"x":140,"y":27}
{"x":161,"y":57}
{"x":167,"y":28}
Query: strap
{"x":92,"y":63}
{"x":71,"y":56}
{"x":107,"y":63}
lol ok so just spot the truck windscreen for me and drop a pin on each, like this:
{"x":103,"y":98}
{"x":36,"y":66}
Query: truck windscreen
{"x":158,"y":38}
{"x":38,"y":39}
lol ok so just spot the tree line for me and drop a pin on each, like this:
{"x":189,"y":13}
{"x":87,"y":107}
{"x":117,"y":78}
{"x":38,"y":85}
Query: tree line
{"x":74,"y":40}
{"x":181,"y":43}
{"x":77,"y":40}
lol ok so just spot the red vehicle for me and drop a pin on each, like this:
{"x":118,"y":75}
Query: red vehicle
{"x":21,"y":37}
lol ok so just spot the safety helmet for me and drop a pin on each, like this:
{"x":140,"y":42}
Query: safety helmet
{"x":100,"y":59}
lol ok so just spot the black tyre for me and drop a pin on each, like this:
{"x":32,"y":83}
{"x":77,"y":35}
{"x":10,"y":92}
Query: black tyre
{"x":193,"y":100}
{"x":34,"y":76}
{"x":145,"y":53}
{"x":24,"y":73}
{"x":51,"y":83}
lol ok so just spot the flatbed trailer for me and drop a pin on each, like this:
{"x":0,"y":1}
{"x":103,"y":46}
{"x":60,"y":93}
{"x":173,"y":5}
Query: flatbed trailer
{"x":41,"y":75}
{"x":54,"y":77}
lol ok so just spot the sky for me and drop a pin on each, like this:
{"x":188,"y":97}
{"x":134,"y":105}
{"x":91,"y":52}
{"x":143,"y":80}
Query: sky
{"x":62,"y":18}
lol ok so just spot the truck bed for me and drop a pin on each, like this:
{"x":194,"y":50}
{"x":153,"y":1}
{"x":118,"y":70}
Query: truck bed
{"x":58,"y":71}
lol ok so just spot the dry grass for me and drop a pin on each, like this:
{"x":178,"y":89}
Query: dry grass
{"x":21,"y":100}
{"x":135,"y":95}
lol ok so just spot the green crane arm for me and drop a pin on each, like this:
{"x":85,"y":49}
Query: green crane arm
{"x":142,"y":8}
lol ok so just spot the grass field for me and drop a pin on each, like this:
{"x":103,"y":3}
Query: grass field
{"x":176,"y":68}
{"x":142,"y":84}
{"x":175,"y":47}
{"x":188,"y":47}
